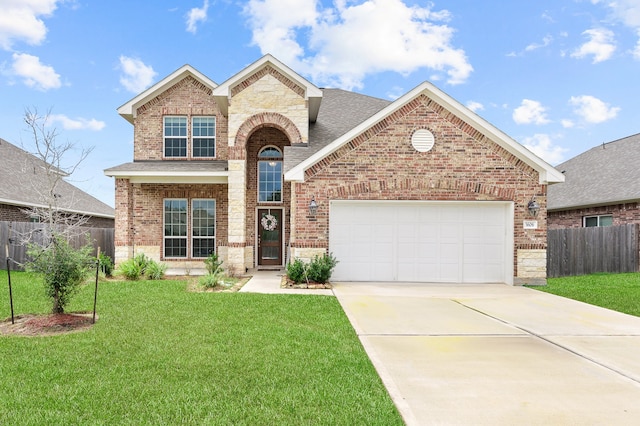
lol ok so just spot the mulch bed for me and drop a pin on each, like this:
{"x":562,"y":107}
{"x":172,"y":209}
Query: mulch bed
{"x":287,"y":283}
{"x":46,"y":324}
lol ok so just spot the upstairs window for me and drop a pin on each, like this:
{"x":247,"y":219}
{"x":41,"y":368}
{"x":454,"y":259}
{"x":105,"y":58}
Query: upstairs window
{"x":270,"y":175}
{"x":175,"y":137}
{"x":602,"y":220}
{"x":203,"y":130}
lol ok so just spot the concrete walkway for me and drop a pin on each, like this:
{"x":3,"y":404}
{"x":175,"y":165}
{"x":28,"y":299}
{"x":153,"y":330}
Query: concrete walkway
{"x":497,"y":355}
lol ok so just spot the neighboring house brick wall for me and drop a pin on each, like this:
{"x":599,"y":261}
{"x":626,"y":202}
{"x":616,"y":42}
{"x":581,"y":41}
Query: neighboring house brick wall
{"x":622,"y":214}
{"x":381,"y":164}
{"x":10,"y":213}
{"x":188,"y":98}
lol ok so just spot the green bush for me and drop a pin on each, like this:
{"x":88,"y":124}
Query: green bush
{"x":296,"y":271}
{"x":209,"y":281}
{"x":213,"y":264}
{"x":64,"y":268}
{"x":321,"y":268}
{"x":318,"y":270}
{"x":141,"y":266}
{"x":106,"y":265}
{"x":155,"y":270}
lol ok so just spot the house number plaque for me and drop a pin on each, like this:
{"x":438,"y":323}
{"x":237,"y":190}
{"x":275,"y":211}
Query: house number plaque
{"x":530,"y":224}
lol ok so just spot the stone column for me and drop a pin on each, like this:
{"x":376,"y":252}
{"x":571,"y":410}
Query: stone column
{"x":237,"y":217}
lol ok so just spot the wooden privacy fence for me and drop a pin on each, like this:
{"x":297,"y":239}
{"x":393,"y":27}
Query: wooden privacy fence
{"x":100,"y":237}
{"x":580,"y":251}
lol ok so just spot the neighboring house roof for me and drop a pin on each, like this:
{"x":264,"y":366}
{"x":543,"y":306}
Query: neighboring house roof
{"x":129,"y":109}
{"x":547,"y":173}
{"x":313,"y":95}
{"x":24,"y":182}
{"x":604,"y":175}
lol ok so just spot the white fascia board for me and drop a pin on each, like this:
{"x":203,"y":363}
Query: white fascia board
{"x":313,"y":94}
{"x":128,"y":110}
{"x":548,"y":174}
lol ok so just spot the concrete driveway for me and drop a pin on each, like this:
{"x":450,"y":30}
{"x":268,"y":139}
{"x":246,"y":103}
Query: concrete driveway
{"x":493,"y":354}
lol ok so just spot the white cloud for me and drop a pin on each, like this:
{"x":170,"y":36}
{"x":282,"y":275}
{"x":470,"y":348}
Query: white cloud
{"x":20,"y":21}
{"x":601,"y":45}
{"x":542,"y":145}
{"x":567,"y":124}
{"x":592,"y":109}
{"x":77,"y":123}
{"x":475,"y":106}
{"x":546,"y":41}
{"x":136,"y":76}
{"x":530,"y":112}
{"x":195,"y":16}
{"x":338,"y":46}
{"x":34,"y":73}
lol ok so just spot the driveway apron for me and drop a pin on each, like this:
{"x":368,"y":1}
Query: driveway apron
{"x":492,"y":354}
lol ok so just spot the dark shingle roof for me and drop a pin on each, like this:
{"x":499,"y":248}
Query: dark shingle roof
{"x":24,"y":183}
{"x":604,"y":175}
{"x":340,"y":111}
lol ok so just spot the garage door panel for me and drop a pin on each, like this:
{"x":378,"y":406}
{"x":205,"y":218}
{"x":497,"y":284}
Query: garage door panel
{"x":421,"y":241}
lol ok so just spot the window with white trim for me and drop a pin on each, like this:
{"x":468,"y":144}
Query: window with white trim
{"x":175,"y":228}
{"x":175,"y":137}
{"x":203,"y":228}
{"x":600,"y":220}
{"x":270,"y":175}
{"x":203,"y":136}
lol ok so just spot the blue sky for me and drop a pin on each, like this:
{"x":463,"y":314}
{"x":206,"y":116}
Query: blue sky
{"x":559,"y":76}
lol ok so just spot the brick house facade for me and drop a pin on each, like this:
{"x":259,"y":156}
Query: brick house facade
{"x":345,"y":153}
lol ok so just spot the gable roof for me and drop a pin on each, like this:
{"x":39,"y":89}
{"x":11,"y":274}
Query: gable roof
{"x":604,"y":175}
{"x":23,"y":180}
{"x":313,"y":95}
{"x":128,"y":110}
{"x":547,"y":173}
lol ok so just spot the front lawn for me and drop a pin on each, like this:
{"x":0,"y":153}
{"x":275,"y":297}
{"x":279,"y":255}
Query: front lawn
{"x":620,"y":292}
{"x":161,"y":355}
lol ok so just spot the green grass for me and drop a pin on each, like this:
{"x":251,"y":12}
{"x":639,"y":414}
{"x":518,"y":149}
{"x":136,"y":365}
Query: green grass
{"x":620,"y":292}
{"x":161,"y":355}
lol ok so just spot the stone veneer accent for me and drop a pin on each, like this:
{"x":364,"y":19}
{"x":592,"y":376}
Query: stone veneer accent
{"x":532,"y":266}
{"x":381,"y":164}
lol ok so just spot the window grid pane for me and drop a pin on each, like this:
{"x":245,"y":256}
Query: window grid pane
{"x":204,"y":136}
{"x":270,"y":181}
{"x":203,"y":227}
{"x":175,"y":136}
{"x":175,"y":228}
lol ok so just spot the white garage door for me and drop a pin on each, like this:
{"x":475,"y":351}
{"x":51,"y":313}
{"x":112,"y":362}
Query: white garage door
{"x":456,"y":242}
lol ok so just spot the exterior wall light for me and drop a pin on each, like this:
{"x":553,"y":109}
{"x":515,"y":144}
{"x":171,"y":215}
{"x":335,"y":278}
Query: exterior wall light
{"x":533,"y":207}
{"x":313,"y":206}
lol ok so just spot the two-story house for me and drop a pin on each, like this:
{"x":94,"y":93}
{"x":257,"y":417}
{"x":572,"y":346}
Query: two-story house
{"x":266,"y":167}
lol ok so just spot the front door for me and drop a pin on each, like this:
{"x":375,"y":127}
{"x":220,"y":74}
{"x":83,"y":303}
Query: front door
{"x":269,"y":237}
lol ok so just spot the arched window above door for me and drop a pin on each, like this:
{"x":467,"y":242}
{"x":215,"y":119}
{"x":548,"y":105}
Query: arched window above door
{"x":270,"y":175}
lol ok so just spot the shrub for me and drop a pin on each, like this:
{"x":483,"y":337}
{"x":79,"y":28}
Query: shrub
{"x":63,"y":267}
{"x":106,"y":265}
{"x":155,"y":270}
{"x":209,"y":281}
{"x":318,"y":270}
{"x":321,"y":268}
{"x":213,"y":264}
{"x":141,"y":266}
{"x":296,"y":271}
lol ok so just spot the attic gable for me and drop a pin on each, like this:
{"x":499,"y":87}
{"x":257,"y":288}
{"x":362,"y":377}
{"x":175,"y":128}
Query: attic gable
{"x":268,"y":66}
{"x":129,"y":110}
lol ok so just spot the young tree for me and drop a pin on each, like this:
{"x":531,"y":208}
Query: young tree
{"x":63,"y":267}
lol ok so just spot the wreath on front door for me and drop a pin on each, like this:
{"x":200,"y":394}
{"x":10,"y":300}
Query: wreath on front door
{"x":269,"y":222}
